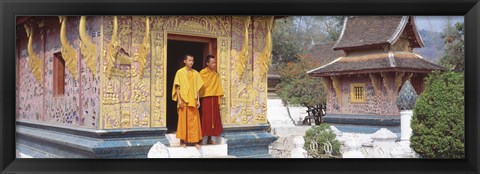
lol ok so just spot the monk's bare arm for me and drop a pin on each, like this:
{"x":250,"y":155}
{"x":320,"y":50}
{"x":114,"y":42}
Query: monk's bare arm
{"x":198,"y":100}
{"x":179,"y":99}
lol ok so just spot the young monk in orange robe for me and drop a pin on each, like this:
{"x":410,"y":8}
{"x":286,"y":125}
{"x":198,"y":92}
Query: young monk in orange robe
{"x":186,"y":85}
{"x":210,"y":94}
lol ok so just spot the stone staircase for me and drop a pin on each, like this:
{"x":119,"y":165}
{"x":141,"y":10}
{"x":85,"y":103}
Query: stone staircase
{"x":174,"y":150}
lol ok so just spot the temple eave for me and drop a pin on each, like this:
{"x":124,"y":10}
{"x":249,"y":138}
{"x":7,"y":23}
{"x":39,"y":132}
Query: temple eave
{"x":366,"y":71}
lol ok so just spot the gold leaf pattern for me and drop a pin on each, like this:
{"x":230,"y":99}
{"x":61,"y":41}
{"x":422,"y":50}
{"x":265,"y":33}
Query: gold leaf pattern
{"x":69,"y":54}
{"x":35,"y":63}
{"x":87,"y":47}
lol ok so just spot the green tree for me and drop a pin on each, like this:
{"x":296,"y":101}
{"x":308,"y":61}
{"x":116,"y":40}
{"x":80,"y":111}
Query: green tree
{"x":453,"y":37}
{"x":438,"y":118}
{"x":292,"y":37}
{"x":296,"y":87}
{"x":295,"y":35}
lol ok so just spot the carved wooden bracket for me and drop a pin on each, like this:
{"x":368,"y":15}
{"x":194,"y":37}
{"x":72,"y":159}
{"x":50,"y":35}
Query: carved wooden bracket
{"x":386,"y":82}
{"x":398,"y":84}
{"x":337,"y":88}
{"x":376,"y":83}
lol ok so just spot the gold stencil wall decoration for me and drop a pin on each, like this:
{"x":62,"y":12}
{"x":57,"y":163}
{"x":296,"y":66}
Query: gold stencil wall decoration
{"x":157,"y":116}
{"x":265,"y":57}
{"x":204,"y":25}
{"x":337,"y":87}
{"x":223,"y":45}
{"x":240,"y":85}
{"x":111,"y":52}
{"x":35,"y":63}
{"x":144,"y":49}
{"x":87,"y":47}
{"x":69,"y":54}
{"x":243,"y":54}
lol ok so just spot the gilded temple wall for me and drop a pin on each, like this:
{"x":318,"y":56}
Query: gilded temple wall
{"x":128,"y":56}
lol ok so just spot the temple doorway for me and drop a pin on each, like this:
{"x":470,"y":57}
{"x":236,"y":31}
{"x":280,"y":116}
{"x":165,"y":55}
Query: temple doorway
{"x":177,"y":47}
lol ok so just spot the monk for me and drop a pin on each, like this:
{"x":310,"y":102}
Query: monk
{"x":186,"y":85}
{"x":211,"y":93}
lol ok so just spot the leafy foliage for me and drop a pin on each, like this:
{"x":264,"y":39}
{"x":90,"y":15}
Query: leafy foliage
{"x":453,"y":36}
{"x":318,"y":138}
{"x":438,"y":118}
{"x":296,"y":87}
{"x":294,"y":35}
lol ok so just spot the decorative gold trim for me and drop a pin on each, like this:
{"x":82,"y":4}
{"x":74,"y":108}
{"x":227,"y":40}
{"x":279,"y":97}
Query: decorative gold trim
{"x":165,"y":65}
{"x":112,"y":49}
{"x":157,"y":83}
{"x":87,"y":47}
{"x":353,"y":93}
{"x":243,"y":54}
{"x":386,"y":83}
{"x":337,"y":87}
{"x":223,"y":47}
{"x":327,"y":83}
{"x":69,"y":54}
{"x":376,"y":84}
{"x":204,"y":24}
{"x":398,"y":83}
{"x":266,"y":56}
{"x":35,"y":63}
{"x":100,"y":113}
{"x":144,"y":49}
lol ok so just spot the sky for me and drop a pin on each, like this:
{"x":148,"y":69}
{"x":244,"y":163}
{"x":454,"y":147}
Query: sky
{"x":437,"y":22}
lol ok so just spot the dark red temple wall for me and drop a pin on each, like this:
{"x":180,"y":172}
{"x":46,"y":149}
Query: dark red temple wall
{"x":36,"y":101}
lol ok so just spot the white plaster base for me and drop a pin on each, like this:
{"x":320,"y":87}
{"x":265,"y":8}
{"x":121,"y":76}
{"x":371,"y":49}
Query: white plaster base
{"x":159,"y":150}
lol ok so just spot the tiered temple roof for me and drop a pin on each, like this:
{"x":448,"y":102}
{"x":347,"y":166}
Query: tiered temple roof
{"x":376,"y":34}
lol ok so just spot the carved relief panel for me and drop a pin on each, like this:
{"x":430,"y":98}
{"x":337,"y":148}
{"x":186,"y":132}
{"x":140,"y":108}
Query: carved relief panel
{"x":133,"y":67}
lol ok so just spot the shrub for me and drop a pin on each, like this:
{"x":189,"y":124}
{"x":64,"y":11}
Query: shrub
{"x":438,"y":118}
{"x":316,"y":140}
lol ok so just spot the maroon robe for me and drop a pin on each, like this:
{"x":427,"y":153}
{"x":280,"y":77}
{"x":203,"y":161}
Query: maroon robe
{"x":211,"y":121}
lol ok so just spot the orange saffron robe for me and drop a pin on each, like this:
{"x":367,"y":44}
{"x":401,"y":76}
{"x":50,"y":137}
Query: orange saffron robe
{"x":210,"y":94}
{"x":189,"y":82}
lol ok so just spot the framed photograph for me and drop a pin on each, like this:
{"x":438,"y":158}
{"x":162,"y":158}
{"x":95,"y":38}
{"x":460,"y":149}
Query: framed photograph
{"x":191,"y":87}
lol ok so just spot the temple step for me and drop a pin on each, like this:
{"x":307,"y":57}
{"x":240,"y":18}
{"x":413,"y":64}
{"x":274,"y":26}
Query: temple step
{"x":159,"y":150}
{"x":174,"y":141}
{"x":219,"y":150}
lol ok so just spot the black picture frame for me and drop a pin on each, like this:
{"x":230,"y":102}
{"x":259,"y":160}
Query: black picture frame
{"x":9,"y":9}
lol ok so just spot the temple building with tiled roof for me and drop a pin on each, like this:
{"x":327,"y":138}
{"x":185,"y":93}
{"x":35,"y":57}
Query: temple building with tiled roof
{"x":377,"y":61}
